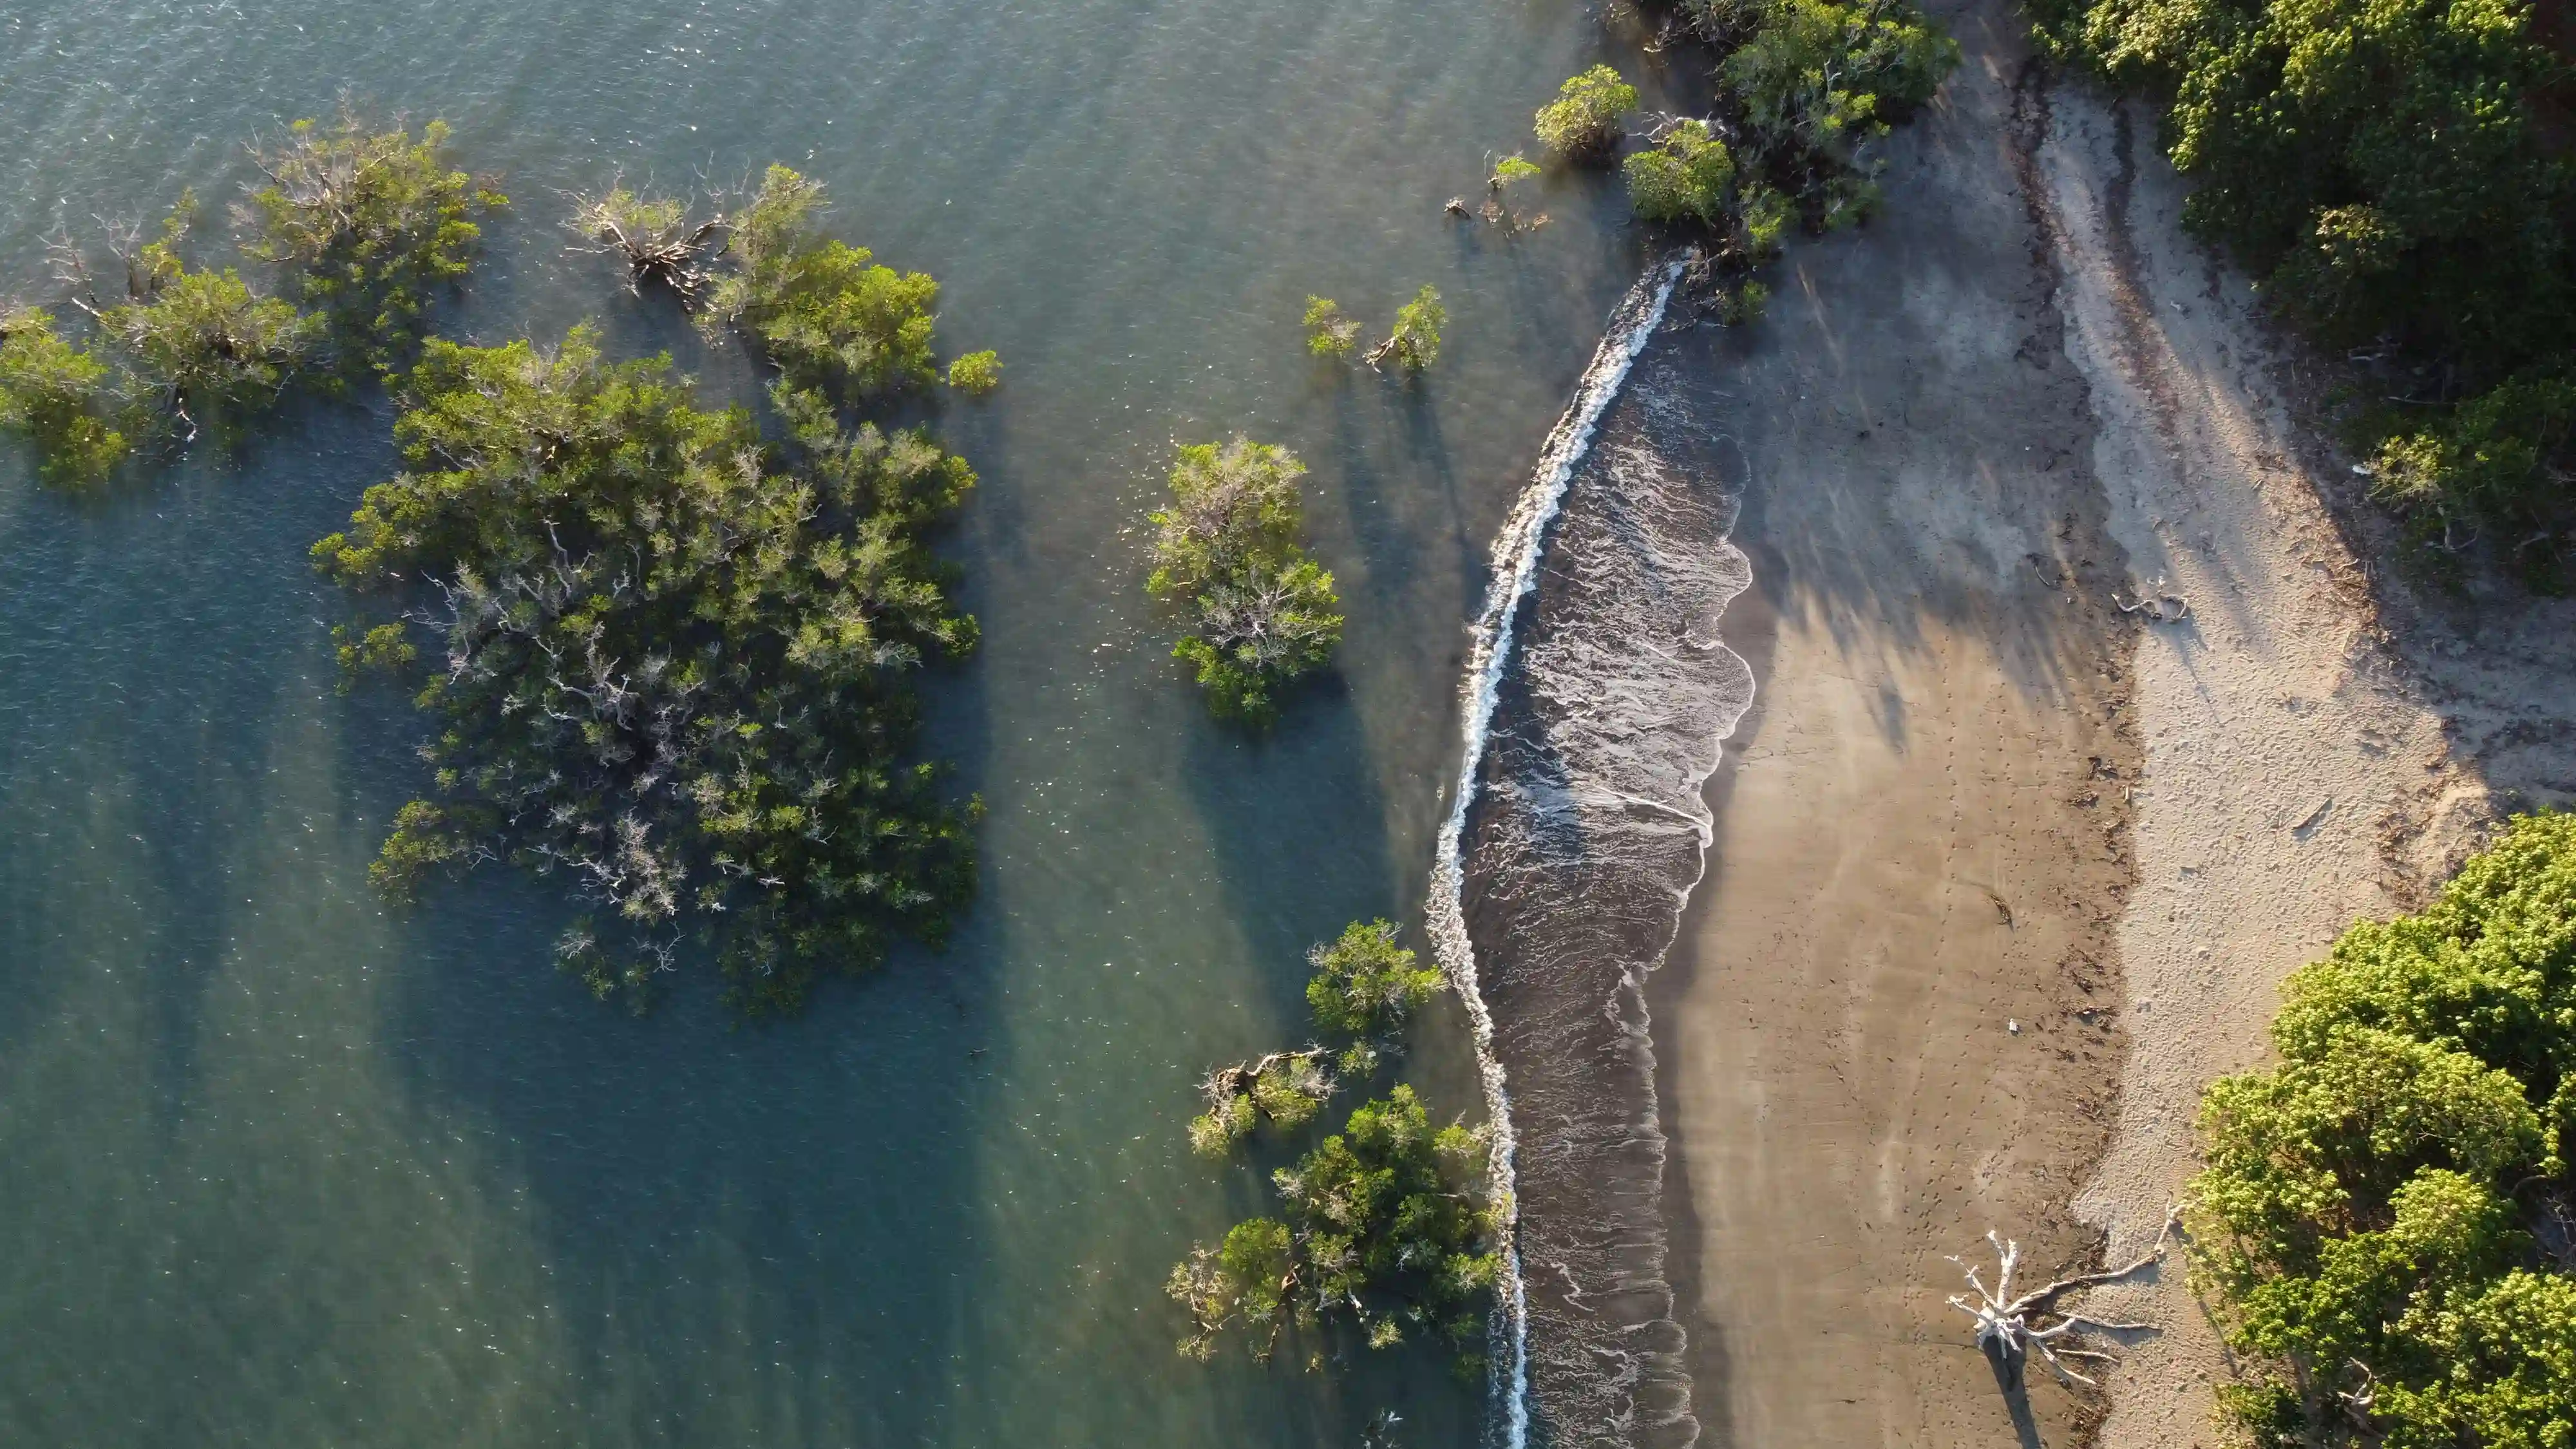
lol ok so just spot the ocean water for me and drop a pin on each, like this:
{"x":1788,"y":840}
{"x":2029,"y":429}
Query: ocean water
{"x":283,"y":1167}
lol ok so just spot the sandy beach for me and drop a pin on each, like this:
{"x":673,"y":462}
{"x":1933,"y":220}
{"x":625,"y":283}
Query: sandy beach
{"x":1890,"y":1021}
{"x":2002,"y":875}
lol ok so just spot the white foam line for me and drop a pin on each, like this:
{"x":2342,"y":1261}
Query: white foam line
{"x":1516,"y":555}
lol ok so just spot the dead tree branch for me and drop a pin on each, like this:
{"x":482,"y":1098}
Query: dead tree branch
{"x":2008,"y":1327}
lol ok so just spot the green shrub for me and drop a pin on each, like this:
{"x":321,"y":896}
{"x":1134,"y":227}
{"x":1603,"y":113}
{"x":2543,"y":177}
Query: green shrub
{"x":976,"y":373}
{"x":671,"y":660}
{"x":61,"y":397}
{"x":1328,"y":332}
{"x":219,"y":352}
{"x":1689,"y":175}
{"x":1261,"y":613}
{"x":1364,"y":984}
{"x":823,"y":312}
{"x":369,"y":223}
{"x":1816,"y":79}
{"x":1414,"y":341}
{"x":1584,"y":119}
{"x":2367,"y":1212}
{"x":1386,"y":1228}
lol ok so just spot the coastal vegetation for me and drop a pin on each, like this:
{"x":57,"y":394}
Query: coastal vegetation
{"x":1329,"y":332}
{"x":668,"y":659}
{"x":1385,"y":1226}
{"x":1413,"y":343}
{"x":366,"y":225}
{"x":1261,"y":613}
{"x":1800,"y":91}
{"x":2388,"y":1216}
{"x":2397,"y":179}
{"x":61,"y":397}
{"x":360,"y":226}
{"x":823,"y":312}
{"x":1586,"y":119}
{"x":663,"y":241}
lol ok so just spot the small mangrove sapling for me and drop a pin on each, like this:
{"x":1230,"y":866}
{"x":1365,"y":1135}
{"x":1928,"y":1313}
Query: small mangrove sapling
{"x":1414,"y":343}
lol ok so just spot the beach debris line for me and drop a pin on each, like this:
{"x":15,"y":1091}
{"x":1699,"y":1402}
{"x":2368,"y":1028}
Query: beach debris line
{"x":1385,"y":1227}
{"x":2009,"y":1328}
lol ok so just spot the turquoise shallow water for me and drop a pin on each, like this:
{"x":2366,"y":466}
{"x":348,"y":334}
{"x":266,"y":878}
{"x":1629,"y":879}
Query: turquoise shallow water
{"x":283,"y":1167}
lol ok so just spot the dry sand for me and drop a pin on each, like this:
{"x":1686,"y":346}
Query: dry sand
{"x":1971,"y":793}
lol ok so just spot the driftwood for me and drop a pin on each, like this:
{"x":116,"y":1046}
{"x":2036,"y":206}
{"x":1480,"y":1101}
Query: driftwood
{"x":2008,"y":1328}
{"x":2158,"y":604}
{"x":661,"y":243}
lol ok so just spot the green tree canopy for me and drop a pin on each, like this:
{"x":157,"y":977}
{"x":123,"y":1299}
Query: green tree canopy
{"x":825,"y":313}
{"x":368,"y":223}
{"x":1585,"y":118}
{"x":668,"y":659}
{"x":1366,"y":985}
{"x":1386,"y":1228}
{"x":1262,"y":613}
{"x":2385,"y":1213}
{"x":61,"y":397}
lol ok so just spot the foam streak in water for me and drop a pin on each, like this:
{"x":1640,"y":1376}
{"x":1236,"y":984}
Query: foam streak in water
{"x":1516,"y":559}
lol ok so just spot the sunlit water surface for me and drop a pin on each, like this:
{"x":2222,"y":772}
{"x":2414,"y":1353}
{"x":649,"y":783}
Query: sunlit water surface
{"x":283,"y":1167}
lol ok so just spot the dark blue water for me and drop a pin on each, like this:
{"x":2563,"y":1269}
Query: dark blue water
{"x":283,"y":1167}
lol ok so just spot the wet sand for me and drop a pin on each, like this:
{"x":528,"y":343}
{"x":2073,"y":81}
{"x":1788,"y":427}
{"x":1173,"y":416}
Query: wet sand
{"x":1887,"y":1025}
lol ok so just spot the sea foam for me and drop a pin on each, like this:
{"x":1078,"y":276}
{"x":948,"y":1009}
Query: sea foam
{"x":1595,"y":701}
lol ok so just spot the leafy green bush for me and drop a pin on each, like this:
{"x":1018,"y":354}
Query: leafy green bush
{"x":976,"y":373}
{"x":1584,"y":119}
{"x":670,"y":660}
{"x":1261,"y":612}
{"x":1365,"y":987}
{"x":217,"y":351}
{"x":1414,"y":341}
{"x":2385,"y":1214}
{"x":1328,"y":332}
{"x":2385,"y":170}
{"x":369,"y":223}
{"x":61,"y":397}
{"x":823,"y":312}
{"x":1802,"y":88}
{"x":1815,"y":79}
{"x":1386,"y":1227}
{"x":1364,"y":984}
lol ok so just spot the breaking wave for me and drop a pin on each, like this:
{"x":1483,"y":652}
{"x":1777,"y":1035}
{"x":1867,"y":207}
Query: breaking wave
{"x":1596,"y":698}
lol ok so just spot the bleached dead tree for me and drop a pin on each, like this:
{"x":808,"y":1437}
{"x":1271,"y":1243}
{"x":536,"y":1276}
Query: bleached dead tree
{"x":2009,"y":1327}
{"x":658,"y":237}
